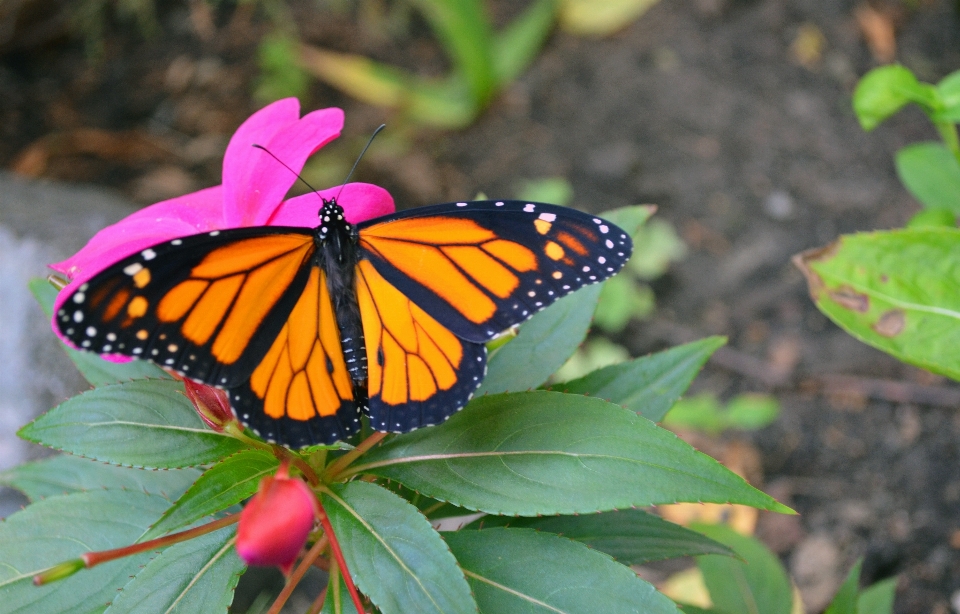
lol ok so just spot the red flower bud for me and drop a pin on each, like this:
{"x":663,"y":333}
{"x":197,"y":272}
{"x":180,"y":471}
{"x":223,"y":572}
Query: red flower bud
{"x":275,"y":523}
{"x":211,"y":403}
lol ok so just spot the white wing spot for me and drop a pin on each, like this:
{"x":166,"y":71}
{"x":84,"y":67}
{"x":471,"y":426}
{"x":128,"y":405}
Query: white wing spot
{"x":585,"y":269}
{"x":604,"y":228}
{"x":176,"y":242}
{"x":529,"y":207}
{"x":548,"y":217}
{"x":133,"y":269}
{"x":111,"y":337}
{"x":78,"y":316}
{"x":148,"y":254}
{"x":459,"y":205}
{"x":609,"y":244}
{"x":214,"y":233}
{"x":499,"y":203}
{"x":601,"y":260}
{"x":79,"y":297}
{"x":91,"y":331}
{"x":531,"y":294}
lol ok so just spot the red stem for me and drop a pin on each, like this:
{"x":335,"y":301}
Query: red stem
{"x":341,"y":463}
{"x":91,"y":559}
{"x":338,"y":555}
{"x":297,"y":575}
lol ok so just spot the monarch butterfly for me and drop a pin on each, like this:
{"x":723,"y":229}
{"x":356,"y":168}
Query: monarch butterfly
{"x":307,"y":328}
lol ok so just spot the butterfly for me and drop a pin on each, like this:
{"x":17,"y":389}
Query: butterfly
{"x":307,"y":329}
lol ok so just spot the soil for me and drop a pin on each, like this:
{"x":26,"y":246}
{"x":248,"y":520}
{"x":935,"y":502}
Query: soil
{"x":707,"y":108}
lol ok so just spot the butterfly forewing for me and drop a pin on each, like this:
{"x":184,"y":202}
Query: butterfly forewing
{"x":208,"y":305}
{"x":481,"y":267}
{"x":419,"y":373}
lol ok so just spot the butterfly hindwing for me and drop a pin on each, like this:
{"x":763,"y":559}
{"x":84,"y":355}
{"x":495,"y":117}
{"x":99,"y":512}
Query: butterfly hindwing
{"x":301,"y":392}
{"x":418,"y":371}
{"x":207,"y":305}
{"x":481,"y":267}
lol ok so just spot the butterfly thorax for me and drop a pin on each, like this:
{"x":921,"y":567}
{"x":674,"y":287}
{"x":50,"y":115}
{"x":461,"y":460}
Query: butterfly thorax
{"x":337,"y":255}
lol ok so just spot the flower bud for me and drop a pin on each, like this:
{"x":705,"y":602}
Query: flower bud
{"x":275,"y":523}
{"x":211,"y":403}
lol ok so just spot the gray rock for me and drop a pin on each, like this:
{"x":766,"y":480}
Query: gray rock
{"x":40,"y":223}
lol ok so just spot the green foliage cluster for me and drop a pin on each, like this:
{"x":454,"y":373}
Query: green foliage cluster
{"x":754,"y":581}
{"x":898,"y":290}
{"x":141,"y":464}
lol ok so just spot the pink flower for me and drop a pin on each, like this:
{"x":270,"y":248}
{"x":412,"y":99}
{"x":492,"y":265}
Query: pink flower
{"x":252,"y":193}
{"x":275,"y":523}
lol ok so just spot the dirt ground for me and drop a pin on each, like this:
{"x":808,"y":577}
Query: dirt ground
{"x":709,"y":109}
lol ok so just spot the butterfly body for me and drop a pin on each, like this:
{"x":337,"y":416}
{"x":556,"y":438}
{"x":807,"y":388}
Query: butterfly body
{"x":306,"y":329}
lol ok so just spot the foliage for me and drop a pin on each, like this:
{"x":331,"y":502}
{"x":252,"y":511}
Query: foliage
{"x":538,"y":458}
{"x":896,"y":290}
{"x":754,"y":581}
{"x":484,"y":62}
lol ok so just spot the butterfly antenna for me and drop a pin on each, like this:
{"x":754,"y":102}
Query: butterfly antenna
{"x":286,"y":166}
{"x":365,"y":148}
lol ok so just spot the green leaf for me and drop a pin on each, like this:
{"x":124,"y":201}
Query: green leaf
{"x":933,"y":217}
{"x":143,"y":423}
{"x":655,"y":246}
{"x":757,"y":584}
{"x":64,"y":474}
{"x":631,"y":218}
{"x":445,"y":104}
{"x":878,"y":598}
{"x":227,"y":483}
{"x":394,"y":555}
{"x":63,"y":528}
{"x":517,"y":46}
{"x":95,"y":369}
{"x":623,"y":298}
{"x":464,"y":31}
{"x":885,"y":90}
{"x":704,"y":413}
{"x":543,"y":344}
{"x":601,"y":17}
{"x":521,"y":571}
{"x":692,"y":609}
{"x":632,"y":537}
{"x":845,"y":601}
{"x":556,"y":190}
{"x":949,"y":90}
{"x":898,"y":291}
{"x":648,"y":385}
{"x":548,"y":453}
{"x":198,"y":575}
{"x":932,"y":175}
{"x":595,"y":353}
{"x":281,"y":76}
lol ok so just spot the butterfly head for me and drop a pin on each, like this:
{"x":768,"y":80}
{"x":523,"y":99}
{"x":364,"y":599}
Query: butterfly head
{"x":331,"y":219}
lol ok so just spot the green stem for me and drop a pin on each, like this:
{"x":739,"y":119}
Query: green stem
{"x":948,"y":132}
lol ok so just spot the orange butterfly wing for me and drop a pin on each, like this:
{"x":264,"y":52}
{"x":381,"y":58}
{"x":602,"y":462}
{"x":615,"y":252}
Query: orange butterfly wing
{"x":481,"y":267}
{"x":418,"y":372}
{"x":301,"y":392}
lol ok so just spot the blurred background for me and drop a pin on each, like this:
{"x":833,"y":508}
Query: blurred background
{"x":732,"y":116}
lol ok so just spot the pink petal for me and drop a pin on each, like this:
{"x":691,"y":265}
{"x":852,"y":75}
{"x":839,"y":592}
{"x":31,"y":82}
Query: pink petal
{"x":360,"y":201}
{"x":178,"y":217}
{"x":254,"y":181}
